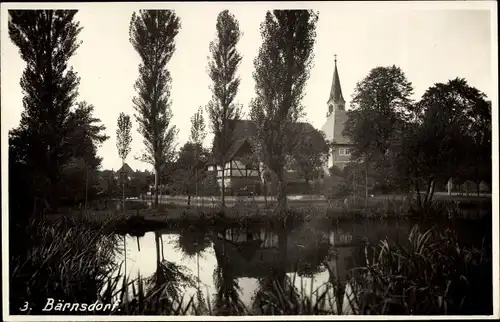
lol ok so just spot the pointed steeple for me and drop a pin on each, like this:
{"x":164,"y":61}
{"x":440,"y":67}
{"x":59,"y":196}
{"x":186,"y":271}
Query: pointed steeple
{"x":336,"y":97}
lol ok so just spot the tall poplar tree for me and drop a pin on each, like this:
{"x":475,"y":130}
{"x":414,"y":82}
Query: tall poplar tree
{"x":123,"y":140}
{"x":222,"y":67}
{"x":198,"y":135}
{"x":282,"y":68}
{"x":152,"y":34}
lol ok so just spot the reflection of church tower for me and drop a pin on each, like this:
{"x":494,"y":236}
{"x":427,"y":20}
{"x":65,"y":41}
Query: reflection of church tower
{"x":334,"y":125}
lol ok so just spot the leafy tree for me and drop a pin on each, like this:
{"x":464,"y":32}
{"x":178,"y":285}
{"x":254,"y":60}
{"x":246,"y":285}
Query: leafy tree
{"x":85,"y":136}
{"x":123,"y":140}
{"x":381,"y":105}
{"x":282,"y":68}
{"x":310,"y":154}
{"x":152,"y":34}
{"x":46,"y":39}
{"x":198,"y":135}
{"x":451,"y":139}
{"x":189,"y":168}
{"x":222,"y":67}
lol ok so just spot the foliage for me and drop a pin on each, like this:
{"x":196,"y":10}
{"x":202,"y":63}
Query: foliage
{"x":310,"y":153}
{"x":65,"y":261}
{"x":198,"y":132}
{"x":193,"y":241}
{"x":79,"y":175}
{"x":152,"y":34}
{"x":190,"y":168}
{"x":46,"y":39}
{"x":412,"y":147}
{"x":123,"y":135}
{"x":432,"y":274}
{"x":222,"y":68}
{"x":281,"y":70}
{"x":381,"y":103}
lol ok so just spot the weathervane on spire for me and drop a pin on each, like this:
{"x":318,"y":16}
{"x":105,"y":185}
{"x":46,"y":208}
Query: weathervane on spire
{"x":335,"y":56}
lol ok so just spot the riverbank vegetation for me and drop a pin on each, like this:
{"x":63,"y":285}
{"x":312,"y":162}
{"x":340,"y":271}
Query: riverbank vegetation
{"x":428,"y":273}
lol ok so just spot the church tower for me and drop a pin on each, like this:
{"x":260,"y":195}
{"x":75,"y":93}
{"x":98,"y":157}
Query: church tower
{"x":336,"y":100}
{"x":336,"y":117}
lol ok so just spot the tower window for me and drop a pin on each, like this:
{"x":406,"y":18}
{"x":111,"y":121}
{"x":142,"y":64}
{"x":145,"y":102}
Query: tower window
{"x":345,"y":151}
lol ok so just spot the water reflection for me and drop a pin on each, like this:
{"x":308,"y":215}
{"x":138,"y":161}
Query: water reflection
{"x":236,"y":268}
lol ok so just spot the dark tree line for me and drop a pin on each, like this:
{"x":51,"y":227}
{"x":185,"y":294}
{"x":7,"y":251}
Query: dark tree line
{"x":57,"y":137}
{"x":414,"y":145}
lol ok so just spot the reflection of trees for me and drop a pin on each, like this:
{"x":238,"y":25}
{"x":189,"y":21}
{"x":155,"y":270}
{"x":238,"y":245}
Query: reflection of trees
{"x":227,"y":299}
{"x":164,"y":289}
{"x":276,"y":293}
{"x":193,"y":241}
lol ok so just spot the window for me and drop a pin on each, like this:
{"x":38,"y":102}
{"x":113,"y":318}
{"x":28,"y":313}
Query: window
{"x":345,"y":151}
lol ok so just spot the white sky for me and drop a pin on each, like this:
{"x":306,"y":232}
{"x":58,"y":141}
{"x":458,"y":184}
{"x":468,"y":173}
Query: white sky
{"x":429,"y":41}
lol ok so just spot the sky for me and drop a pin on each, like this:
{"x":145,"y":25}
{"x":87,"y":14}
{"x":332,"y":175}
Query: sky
{"x":431,"y":42}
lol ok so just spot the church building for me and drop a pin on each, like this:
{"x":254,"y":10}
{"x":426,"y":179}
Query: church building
{"x":334,"y":125}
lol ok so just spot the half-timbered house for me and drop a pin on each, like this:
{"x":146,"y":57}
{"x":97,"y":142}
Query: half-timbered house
{"x":242,"y":173}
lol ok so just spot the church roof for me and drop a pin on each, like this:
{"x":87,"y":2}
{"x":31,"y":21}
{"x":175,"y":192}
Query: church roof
{"x":341,"y":118}
{"x":334,"y":127}
{"x":336,"y":89}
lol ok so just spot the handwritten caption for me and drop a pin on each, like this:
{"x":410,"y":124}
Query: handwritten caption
{"x":51,"y":305}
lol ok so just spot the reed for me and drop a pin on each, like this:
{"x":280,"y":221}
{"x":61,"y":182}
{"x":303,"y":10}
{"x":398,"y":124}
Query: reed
{"x":432,"y":274}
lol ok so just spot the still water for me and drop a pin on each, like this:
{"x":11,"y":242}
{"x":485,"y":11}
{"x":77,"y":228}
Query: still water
{"x":307,"y":253}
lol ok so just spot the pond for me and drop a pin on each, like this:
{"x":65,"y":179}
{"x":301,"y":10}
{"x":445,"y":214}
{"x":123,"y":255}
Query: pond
{"x":307,"y":254}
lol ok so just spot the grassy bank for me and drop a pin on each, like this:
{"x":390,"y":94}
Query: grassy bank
{"x":138,"y":219}
{"x":430,"y":274}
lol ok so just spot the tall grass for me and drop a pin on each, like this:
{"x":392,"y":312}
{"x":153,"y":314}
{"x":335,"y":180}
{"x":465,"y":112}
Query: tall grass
{"x":431,"y":274}
{"x":66,"y":262}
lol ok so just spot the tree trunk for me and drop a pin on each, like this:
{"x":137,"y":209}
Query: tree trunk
{"x":366,"y":188}
{"x":157,"y":181}
{"x":189,"y":199}
{"x":196,"y":187}
{"x":223,"y":187}
{"x":478,"y":184}
{"x":354,"y":188}
{"x":427,"y":192}
{"x":281,"y":195}
{"x":159,"y":273}
{"x":264,"y":187}
{"x":123,"y":188}
{"x":431,"y":193}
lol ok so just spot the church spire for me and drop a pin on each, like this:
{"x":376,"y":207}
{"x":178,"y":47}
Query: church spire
{"x":336,"y":97}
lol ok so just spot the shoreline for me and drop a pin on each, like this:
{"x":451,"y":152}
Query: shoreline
{"x":139,"y":221}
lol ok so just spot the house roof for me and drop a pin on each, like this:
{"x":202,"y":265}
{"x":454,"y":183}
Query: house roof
{"x":125,"y":168}
{"x":245,"y":130}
